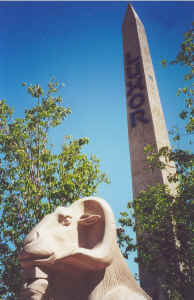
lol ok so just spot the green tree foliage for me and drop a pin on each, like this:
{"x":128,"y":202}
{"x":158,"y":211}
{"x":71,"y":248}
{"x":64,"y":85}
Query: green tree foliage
{"x":185,"y":58}
{"x":165,"y":222}
{"x":34,"y":179}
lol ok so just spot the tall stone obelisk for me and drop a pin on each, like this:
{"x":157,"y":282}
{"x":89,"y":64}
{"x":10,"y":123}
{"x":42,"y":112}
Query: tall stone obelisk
{"x":146,"y":124}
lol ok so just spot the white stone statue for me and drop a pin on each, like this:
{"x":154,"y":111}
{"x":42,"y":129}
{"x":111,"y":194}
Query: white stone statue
{"x":72,"y":254}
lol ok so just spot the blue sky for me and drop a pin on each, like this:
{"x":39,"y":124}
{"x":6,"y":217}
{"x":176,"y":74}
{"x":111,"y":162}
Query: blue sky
{"x":81,"y":44}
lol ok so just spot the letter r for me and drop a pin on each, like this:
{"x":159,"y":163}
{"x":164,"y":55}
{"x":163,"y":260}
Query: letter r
{"x":138,"y":115}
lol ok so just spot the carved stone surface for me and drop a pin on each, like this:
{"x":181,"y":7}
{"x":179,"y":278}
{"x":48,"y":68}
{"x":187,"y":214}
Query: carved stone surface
{"x":72,"y":254}
{"x":146,"y":124}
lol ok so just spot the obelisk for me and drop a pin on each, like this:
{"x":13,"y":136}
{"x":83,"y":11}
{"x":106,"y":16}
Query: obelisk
{"x":146,"y":124}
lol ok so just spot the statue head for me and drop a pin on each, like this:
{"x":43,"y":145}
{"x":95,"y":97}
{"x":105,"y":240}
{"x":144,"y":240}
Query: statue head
{"x":82,"y":235}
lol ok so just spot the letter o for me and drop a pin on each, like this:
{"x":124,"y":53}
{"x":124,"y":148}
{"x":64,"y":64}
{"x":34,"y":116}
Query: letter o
{"x":133,"y":100}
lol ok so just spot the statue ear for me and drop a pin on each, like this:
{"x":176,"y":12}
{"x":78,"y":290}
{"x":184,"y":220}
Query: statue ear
{"x":88,"y":220}
{"x":91,"y":225}
{"x":96,"y":233}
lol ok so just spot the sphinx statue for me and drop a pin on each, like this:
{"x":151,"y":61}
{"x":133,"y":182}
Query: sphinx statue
{"x":72,"y":254}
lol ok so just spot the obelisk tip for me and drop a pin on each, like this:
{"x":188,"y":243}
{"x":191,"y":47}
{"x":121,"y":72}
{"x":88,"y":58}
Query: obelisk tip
{"x":132,"y":13}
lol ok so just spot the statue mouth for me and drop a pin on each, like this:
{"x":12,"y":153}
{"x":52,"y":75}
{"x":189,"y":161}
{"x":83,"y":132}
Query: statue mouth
{"x":29,"y":259}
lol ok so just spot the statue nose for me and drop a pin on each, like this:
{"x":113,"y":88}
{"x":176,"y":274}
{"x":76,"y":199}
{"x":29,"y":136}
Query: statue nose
{"x":32,"y":236}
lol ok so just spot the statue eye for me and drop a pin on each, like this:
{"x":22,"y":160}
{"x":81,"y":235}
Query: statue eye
{"x":64,"y":220}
